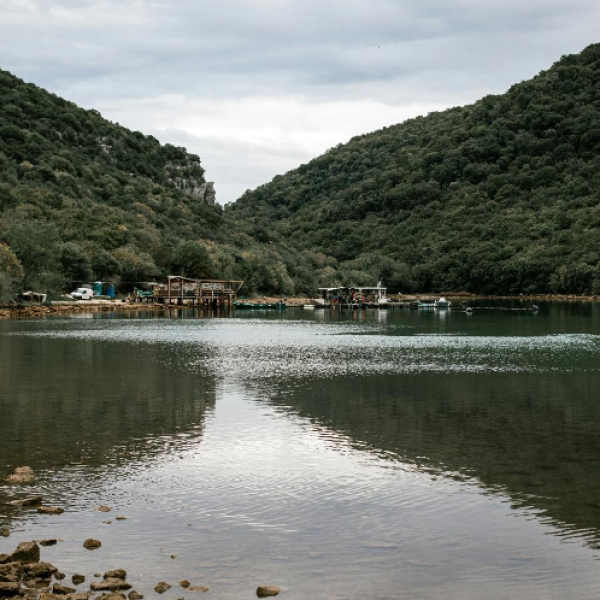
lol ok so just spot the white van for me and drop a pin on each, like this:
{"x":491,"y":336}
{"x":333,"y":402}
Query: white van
{"x":82,"y":294}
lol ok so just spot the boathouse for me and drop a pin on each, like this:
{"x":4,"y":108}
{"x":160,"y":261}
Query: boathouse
{"x":196,"y":292}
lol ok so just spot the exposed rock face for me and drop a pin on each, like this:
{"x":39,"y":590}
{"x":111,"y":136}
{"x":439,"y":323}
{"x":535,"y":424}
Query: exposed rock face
{"x":202,"y":190}
{"x":267,"y":590}
{"x":27,"y":553}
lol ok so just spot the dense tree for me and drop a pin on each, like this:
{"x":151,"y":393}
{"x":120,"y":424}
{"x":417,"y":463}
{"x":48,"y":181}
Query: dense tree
{"x":499,"y":197}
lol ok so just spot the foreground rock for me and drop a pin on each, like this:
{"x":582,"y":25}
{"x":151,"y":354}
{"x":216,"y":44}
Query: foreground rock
{"x":104,"y":508}
{"x":5,"y":532}
{"x":21,"y":475}
{"x":133,"y":595}
{"x":92,"y":544}
{"x":62,"y":590}
{"x":31,"y":502}
{"x":50,"y":542}
{"x":51,"y":510}
{"x":262,"y":591}
{"x":11,"y":572}
{"x":26,"y":552}
{"x":78,"y":579}
{"x":9,"y":589}
{"x":111,"y":584}
{"x":161,"y":587}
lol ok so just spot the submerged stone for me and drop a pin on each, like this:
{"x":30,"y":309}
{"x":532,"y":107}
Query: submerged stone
{"x":267,"y":590}
{"x":50,"y":510}
{"x":161,"y":587}
{"x":92,"y":544}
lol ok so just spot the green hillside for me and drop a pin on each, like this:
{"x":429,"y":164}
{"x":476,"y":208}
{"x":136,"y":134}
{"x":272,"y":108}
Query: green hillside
{"x":499,"y":197}
{"x":83,"y":198}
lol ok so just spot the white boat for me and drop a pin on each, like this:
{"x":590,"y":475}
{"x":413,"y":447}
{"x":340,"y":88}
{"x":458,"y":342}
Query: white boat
{"x":310,"y":306}
{"x":442,"y":303}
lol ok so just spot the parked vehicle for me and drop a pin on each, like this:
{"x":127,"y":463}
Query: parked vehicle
{"x":82,"y":294}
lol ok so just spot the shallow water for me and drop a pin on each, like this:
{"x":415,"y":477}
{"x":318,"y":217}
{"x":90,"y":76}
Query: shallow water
{"x":398,"y":454}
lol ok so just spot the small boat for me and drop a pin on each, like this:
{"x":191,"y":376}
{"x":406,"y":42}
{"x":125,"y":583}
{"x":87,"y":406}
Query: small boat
{"x":259,"y":305}
{"x":310,"y":306}
{"x":442,"y":303}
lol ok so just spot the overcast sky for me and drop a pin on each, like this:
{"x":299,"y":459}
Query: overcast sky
{"x":257,"y":87}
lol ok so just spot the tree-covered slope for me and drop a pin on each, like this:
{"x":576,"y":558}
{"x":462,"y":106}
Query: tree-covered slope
{"x":499,"y":197}
{"x":84,"y":198}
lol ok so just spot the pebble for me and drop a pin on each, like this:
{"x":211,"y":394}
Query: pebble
{"x":262,"y":591}
{"x":92,"y":544}
{"x":161,"y":587}
{"x":116,"y":574}
{"x":78,"y":579}
{"x":133,"y":595}
{"x":51,"y":510}
{"x":63,"y":590}
{"x":51,"y":542}
{"x":104,"y":508}
{"x":185,"y":583}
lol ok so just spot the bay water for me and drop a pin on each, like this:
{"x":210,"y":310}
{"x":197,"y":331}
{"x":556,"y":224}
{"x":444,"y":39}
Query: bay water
{"x":380,"y":454}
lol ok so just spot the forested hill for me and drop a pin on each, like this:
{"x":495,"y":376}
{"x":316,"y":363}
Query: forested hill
{"x":501,"y":196}
{"x":83,"y":198}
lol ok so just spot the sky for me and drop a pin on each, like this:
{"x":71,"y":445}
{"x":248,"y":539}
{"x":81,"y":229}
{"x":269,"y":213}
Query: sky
{"x":258,"y":87}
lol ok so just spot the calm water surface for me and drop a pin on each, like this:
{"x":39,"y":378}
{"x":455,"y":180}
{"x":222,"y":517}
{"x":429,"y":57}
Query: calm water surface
{"x":400,"y":454}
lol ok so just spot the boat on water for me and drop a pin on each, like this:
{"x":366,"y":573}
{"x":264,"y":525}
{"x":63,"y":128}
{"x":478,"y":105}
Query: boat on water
{"x":442,"y":303}
{"x":242,"y":304}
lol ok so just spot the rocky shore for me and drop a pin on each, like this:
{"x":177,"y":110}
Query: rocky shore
{"x":44,"y":310}
{"x":24,"y":576}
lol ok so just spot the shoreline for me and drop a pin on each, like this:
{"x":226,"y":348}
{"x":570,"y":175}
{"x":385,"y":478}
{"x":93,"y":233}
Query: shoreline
{"x":66,"y":308}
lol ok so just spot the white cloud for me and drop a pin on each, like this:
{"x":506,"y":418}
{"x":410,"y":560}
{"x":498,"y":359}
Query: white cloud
{"x":256,"y":87}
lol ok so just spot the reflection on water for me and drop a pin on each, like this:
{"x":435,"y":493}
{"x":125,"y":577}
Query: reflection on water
{"x":370,"y":455}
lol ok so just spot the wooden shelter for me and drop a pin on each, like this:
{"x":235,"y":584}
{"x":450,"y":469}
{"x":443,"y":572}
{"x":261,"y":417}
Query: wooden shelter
{"x":196,"y":292}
